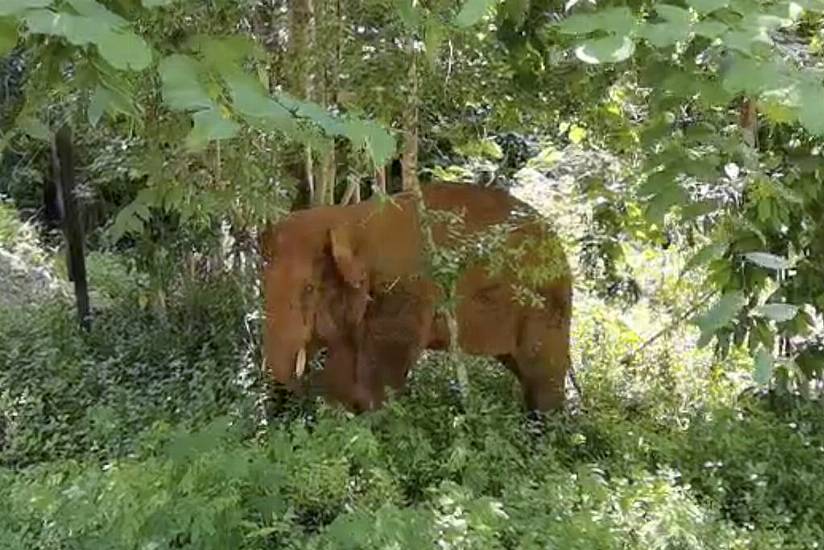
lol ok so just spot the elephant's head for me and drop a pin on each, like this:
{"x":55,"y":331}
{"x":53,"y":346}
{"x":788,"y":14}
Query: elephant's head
{"x":315,"y":290}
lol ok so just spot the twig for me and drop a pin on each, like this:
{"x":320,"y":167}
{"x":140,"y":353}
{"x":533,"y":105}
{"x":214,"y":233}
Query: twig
{"x":674,"y":323}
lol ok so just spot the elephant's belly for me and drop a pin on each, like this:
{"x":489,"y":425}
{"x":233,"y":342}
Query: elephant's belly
{"x":487,"y":323}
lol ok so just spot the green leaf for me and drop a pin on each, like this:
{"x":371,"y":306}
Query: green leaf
{"x":516,"y":11}
{"x":181,"y":85}
{"x":707,"y":6}
{"x":8,"y":35}
{"x":34,"y":128}
{"x":767,"y":260}
{"x":222,"y":52}
{"x":710,"y":28}
{"x":811,"y":112}
{"x":708,"y":253}
{"x":157,"y":3}
{"x":676,"y":27}
{"x":121,"y":48}
{"x":720,"y":314}
{"x":764,"y":365}
{"x":473,"y":11}
{"x":746,"y":75}
{"x":778,"y":312}
{"x":380,"y":144}
{"x":410,"y":16}
{"x":130,"y":219}
{"x":617,"y":20}
{"x":210,"y":125}
{"x":610,"y":49}
{"x":124,"y":50}
{"x":13,"y":7}
{"x":106,"y":100}
{"x":434,"y":35}
{"x":93,"y":10}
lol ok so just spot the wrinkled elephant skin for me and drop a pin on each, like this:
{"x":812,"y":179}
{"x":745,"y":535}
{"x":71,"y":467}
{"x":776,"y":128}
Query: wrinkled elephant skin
{"x":353,"y":279}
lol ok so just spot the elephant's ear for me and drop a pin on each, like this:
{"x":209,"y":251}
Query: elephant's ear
{"x":349,"y":266}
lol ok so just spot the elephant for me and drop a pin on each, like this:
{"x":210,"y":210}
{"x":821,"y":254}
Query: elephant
{"x":358,"y":281}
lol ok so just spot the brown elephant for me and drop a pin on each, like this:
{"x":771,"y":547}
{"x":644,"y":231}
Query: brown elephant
{"x":355,"y":279}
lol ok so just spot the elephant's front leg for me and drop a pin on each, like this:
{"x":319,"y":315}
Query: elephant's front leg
{"x":393,"y":334}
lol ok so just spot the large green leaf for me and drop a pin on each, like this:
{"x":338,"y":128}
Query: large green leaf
{"x":720,"y":314}
{"x":224,"y":53}
{"x":210,"y":125}
{"x":157,"y":3}
{"x":811,"y":111}
{"x":13,"y":7}
{"x":610,"y":49}
{"x":8,"y":35}
{"x":181,"y":85}
{"x":107,"y":100}
{"x":93,"y":10}
{"x":125,"y":50}
{"x":379,"y":143}
{"x":617,"y":20}
{"x":250,"y":99}
{"x":473,"y":11}
{"x":121,"y":48}
{"x":675,"y":28}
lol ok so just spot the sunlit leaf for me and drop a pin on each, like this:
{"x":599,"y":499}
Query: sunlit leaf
{"x":12,"y":7}
{"x":610,"y":49}
{"x":777,"y":312}
{"x":763,"y":366}
{"x":473,"y":11}
{"x":157,"y":3}
{"x":770,"y":261}
{"x":182,"y":88}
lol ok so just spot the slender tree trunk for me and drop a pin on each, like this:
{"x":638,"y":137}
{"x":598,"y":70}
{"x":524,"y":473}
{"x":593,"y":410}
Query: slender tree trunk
{"x":409,"y":159}
{"x":301,"y":42}
{"x":63,"y":154}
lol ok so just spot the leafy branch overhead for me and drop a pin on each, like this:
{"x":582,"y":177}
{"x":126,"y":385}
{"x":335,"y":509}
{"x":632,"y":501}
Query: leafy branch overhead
{"x":738,"y":31}
{"x":191,"y":83}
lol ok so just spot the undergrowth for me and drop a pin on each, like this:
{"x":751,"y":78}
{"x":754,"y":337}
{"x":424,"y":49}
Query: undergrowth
{"x":157,"y":432}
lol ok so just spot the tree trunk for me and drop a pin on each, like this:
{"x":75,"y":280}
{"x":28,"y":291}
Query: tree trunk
{"x":63,"y":162}
{"x":301,"y":42}
{"x":409,"y":159}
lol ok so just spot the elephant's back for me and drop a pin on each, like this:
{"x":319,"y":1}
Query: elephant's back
{"x":483,"y":206}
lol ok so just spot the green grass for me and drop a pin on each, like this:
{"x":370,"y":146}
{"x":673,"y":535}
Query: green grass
{"x":142,"y":435}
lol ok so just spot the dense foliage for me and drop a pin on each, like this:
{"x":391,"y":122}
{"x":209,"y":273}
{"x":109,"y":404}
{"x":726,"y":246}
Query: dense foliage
{"x":140,"y":434}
